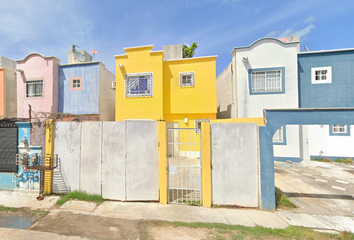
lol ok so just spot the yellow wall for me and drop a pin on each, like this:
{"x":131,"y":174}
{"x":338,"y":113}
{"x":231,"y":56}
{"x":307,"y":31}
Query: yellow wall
{"x":169,"y":102}
{"x":200,"y":99}
{"x":138,"y":60}
{"x":259,"y":120}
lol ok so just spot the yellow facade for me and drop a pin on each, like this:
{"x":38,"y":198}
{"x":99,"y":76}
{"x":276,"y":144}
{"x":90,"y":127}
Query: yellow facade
{"x":169,"y":101}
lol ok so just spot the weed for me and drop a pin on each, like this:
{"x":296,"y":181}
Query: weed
{"x":80,"y":196}
{"x":282,"y":200}
{"x":344,"y":160}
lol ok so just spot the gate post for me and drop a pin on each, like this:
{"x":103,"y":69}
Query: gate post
{"x":206,"y":164}
{"x":162,"y":161}
{"x":49,"y":144}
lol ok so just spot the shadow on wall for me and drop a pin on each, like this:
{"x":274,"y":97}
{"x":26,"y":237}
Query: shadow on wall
{"x":224,"y":114}
{"x":59,"y":176}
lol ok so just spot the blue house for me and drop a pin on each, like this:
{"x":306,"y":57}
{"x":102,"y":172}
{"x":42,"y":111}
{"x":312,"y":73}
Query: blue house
{"x":86,"y":88}
{"x":326,"y":80}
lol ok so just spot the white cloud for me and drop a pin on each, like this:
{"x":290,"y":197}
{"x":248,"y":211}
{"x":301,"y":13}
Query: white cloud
{"x":310,"y":19}
{"x":304,"y":31}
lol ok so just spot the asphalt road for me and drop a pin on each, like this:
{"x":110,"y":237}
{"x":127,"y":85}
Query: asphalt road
{"x":318,"y":187}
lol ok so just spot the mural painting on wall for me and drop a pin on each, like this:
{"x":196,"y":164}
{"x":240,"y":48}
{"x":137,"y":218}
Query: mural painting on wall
{"x":27,"y":178}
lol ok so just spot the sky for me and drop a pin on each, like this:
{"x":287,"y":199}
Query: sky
{"x":50,"y":27}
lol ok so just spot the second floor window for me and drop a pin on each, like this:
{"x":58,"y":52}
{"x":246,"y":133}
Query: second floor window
{"x":76,"y":83}
{"x":34,"y":88}
{"x":138,"y":85}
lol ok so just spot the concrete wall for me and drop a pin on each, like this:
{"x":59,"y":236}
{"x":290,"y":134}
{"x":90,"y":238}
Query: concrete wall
{"x":174,"y":51}
{"x":339,"y":93}
{"x":72,"y":58}
{"x":67,"y":144}
{"x":7,"y":181}
{"x":113,"y":168}
{"x":106,"y":94}
{"x":234,"y":154}
{"x":118,"y":160}
{"x":7,"y":63}
{"x":322,"y":144}
{"x":225,"y":95}
{"x":37,"y":67}
{"x":90,"y":166}
{"x":85,"y":101}
{"x":290,"y":149}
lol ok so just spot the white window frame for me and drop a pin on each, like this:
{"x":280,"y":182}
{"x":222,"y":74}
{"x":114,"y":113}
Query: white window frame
{"x":191,"y":82}
{"x":278,"y":136}
{"x":337,"y":129}
{"x":131,"y":79}
{"x":328,"y":75}
{"x":76,"y":84}
{"x":267,"y":86}
{"x":35,"y":83}
{"x":197,"y":124}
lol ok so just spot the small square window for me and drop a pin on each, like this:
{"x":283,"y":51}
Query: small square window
{"x":34,"y":88}
{"x":76,"y":83}
{"x":339,"y":130}
{"x":321,"y":75}
{"x":186,"y":79}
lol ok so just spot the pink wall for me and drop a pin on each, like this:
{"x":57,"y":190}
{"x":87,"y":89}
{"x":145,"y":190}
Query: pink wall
{"x":37,"y":67}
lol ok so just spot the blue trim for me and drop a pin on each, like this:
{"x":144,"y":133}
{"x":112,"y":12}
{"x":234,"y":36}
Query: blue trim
{"x":284,"y":137}
{"x":312,"y":157}
{"x":266,"y":69}
{"x":285,"y":159}
{"x":331,"y":133}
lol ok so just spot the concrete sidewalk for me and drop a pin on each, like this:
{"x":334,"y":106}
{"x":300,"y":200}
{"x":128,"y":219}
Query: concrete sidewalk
{"x":182,"y":213}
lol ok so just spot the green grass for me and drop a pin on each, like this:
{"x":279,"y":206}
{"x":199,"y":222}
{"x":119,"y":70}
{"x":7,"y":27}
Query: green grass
{"x":80,"y":196}
{"x":282,"y":200}
{"x":224,"y":231}
{"x":321,"y":159}
{"x":344,"y":160}
{"x":24,"y":211}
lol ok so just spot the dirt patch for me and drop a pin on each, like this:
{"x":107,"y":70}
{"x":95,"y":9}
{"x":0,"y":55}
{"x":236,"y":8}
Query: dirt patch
{"x":92,"y":227}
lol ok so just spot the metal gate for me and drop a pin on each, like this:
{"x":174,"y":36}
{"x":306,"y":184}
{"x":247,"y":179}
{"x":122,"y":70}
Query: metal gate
{"x":184,"y":166}
{"x":8,"y":147}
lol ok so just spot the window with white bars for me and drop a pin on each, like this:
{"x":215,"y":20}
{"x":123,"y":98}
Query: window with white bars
{"x":266,"y":81}
{"x":76,"y":83}
{"x":138,"y":85}
{"x":34,"y":88}
{"x":321,"y":75}
{"x":186,"y":79}
{"x":279,"y":136}
{"x":339,"y":128}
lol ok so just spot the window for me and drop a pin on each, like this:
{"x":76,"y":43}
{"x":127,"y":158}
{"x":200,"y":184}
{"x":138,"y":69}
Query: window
{"x":138,"y":85}
{"x":34,"y":88}
{"x":321,"y":75}
{"x":279,"y":137}
{"x":186,"y":79}
{"x":76,"y":83}
{"x":266,"y":81}
{"x":198,"y":124}
{"x":339,"y":130}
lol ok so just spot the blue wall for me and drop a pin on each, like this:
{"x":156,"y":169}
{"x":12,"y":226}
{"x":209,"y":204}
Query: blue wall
{"x":339,"y":93}
{"x":85,"y":101}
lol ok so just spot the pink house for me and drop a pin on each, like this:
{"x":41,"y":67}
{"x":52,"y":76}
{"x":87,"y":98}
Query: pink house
{"x":37,"y":84}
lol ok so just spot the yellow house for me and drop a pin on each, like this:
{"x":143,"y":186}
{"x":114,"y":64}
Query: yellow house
{"x":161,"y":85}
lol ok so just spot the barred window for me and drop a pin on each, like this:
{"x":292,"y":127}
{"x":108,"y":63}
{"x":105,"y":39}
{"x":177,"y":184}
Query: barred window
{"x":138,"y":85}
{"x":186,"y":79}
{"x":278,"y":136}
{"x":267,"y":81}
{"x":339,"y":128}
{"x":34,"y":88}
